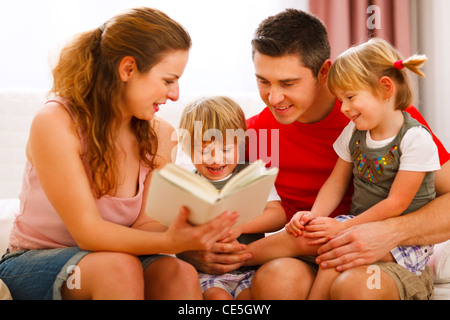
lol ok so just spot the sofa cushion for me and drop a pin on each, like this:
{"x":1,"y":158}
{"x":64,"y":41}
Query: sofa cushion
{"x":8,"y":207}
{"x":440,"y":262}
{"x":4,"y":292}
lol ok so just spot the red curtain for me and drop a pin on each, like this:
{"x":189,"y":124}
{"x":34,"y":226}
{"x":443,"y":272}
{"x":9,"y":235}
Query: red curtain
{"x":351,"y":22}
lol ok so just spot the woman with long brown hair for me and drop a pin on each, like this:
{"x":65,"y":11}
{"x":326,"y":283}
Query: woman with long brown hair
{"x":81,"y":232}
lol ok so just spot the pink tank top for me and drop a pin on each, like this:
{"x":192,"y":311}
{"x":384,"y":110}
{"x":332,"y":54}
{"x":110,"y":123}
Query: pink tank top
{"x":37,"y":225}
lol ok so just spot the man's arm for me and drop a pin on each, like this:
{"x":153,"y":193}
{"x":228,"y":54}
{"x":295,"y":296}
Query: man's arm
{"x":368,"y":243}
{"x":431,"y":223}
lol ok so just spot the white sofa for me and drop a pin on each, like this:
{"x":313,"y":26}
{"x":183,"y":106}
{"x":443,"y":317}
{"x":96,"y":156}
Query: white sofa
{"x":17,"y":108}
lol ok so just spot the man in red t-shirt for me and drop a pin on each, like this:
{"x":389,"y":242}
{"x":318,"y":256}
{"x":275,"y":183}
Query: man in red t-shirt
{"x":291,"y":57}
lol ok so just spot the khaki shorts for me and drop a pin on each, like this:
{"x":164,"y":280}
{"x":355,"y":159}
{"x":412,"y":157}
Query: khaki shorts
{"x":410,"y":286}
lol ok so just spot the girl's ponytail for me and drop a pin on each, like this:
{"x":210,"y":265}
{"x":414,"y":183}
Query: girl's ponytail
{"x":413,"y":64}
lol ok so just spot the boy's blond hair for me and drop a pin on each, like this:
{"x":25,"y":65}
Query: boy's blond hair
{"x":215,"y":116}
{"x":361,"y":68}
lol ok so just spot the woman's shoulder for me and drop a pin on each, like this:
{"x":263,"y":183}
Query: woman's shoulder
{"x":53,"y":125}
{"x":53,"y":116}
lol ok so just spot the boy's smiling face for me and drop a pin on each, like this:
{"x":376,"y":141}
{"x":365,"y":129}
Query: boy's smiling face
{"x":215,"y":160}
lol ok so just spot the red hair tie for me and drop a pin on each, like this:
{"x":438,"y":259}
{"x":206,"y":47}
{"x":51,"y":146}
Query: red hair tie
{"x":398,"y":64}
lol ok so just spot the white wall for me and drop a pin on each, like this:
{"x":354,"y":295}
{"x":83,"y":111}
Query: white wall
{"x":434,"y":41}
{"x":31,"y":31}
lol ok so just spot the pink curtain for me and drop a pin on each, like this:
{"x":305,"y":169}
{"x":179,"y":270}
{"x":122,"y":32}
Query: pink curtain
{"x":349,"y":23}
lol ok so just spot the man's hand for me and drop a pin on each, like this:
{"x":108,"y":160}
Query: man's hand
{"x":356,"y":246}
{"x":222,"y":258}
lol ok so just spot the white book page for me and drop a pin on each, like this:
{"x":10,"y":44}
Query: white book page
{"x":189,"y":181}
{"x":252,"y":173}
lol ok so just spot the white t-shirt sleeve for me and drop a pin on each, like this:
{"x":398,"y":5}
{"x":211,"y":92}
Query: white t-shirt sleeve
{"x":273,"y":195}
{"x":342,"y":144}
{"x":419,"y":152}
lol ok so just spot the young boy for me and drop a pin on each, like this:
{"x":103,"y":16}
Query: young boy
{"x":213,"y":135}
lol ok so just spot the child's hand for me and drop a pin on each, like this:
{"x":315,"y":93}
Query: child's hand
{"x":298,"y":222}
{"x":232,"y":235}
{"x":323,"y":229}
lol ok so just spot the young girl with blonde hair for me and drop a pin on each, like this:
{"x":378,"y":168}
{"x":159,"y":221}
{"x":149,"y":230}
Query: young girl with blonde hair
{"x":390,"y":156}
{"x":90,"y":155}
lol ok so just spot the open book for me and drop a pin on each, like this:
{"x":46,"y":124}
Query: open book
{"x":173,"y":187}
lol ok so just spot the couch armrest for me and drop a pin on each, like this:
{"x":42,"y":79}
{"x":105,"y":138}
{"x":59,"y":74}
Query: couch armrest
{"x":440,"y":262}
{"x":8,"y":207}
